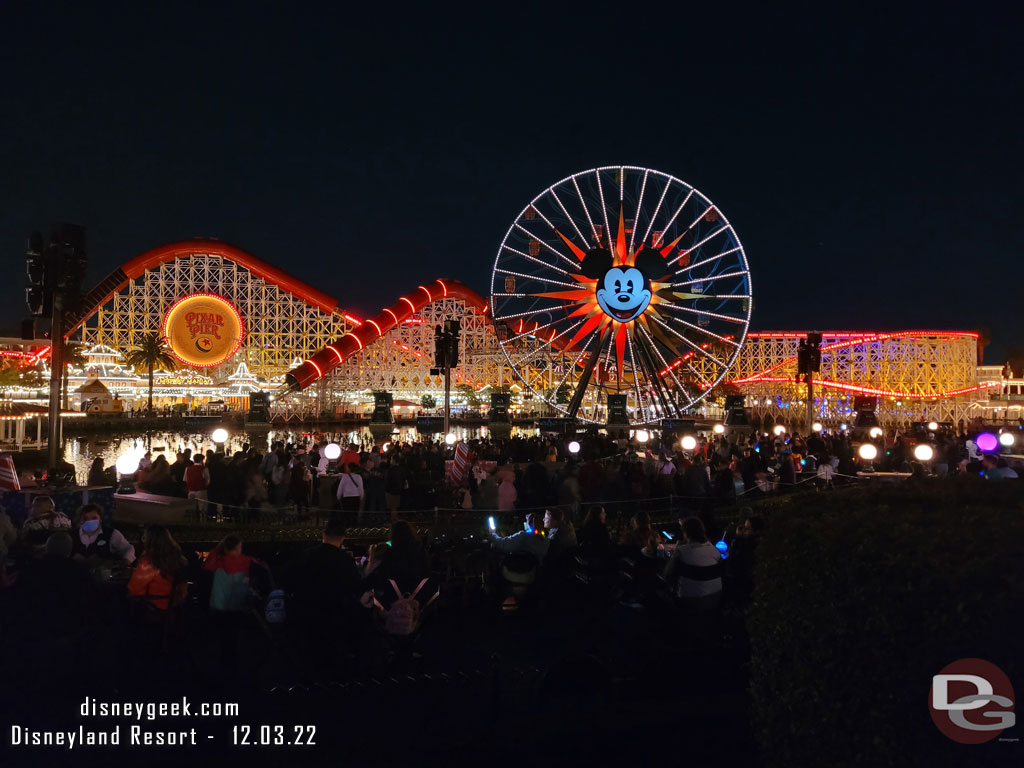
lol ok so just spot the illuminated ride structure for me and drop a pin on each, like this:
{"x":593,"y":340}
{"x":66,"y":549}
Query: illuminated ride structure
{"x":284,"y":319}
{"x":633,"y":274}
{"x":915,"y":376}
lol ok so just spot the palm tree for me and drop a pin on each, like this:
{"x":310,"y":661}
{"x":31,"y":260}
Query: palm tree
{"x":151,"y":353}
{"x":73,"y":354}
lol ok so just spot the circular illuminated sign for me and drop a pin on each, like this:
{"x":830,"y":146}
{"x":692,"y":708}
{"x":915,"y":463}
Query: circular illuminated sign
{"x":203,"y":329}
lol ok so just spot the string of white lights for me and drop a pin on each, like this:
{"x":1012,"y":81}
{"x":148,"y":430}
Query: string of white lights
{"x":639,"y":207}
{"x":538,"y":261}
{"x":636,"y":378}
{"x":657,"y":350}
{"x":680,"y":308}
{"x":604,"y":210}
{"x":680,"y":336}
{"x":693,"y":248}
{"x":654,"y":216}
{"x":570,"y":218}
{"x":548,"y":343}
{"x":571,"y":262}
{"x":535,"y":277}
{"x":705,"y":331}
{"x":710,"y":278}
{"x":708,"y":260}
{"x":675,"y":215}
{"x":586,"y":210}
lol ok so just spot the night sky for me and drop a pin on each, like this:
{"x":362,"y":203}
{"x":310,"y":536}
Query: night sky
{"x":871,"y":163}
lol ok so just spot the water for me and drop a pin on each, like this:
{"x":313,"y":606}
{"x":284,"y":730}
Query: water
{"x":81,"y":451}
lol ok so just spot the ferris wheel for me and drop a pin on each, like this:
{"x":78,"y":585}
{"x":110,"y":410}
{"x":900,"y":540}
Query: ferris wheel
{"x":621,"y":281}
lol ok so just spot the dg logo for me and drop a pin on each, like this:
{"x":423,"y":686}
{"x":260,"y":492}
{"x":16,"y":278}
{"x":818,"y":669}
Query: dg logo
{"x":971,"y":701}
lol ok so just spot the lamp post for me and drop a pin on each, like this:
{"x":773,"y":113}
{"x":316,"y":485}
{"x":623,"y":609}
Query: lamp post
{"x":127,"y":465}
{"x":219,"y":437}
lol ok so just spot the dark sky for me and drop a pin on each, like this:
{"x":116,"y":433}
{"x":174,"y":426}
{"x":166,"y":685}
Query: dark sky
{"x":870,"y":162}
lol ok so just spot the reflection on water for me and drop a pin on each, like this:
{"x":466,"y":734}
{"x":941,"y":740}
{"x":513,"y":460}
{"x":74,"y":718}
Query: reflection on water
{"x":81,"y":451}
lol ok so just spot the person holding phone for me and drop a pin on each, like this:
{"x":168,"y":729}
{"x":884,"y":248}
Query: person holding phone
{"x":526,"y":540}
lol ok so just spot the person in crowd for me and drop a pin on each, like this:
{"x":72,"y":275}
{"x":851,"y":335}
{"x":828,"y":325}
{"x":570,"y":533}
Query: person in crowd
{"x":100,"y":542}
{"x":527,"y":540}
{"x":594,"y":538}
{"x":178,"y":468}
{"x":507,"y":493}
{"x":695,"y":568}
{"x":395,"y":483}
{"x":158,"y":478}
{"x":405,"y":561}
{"x":641,"y":538}
{"x":100,"y":475}
{"x":350,"y":489}
{"x":324,"y":585}
{"x":158,"y":574}
{"x":300,"y":485}
{"x":349,"y":456}
{"x":197,"y":482}
{"x":375,"y":556}
{"x":43,"y":519}
{"x":232,"y":571}
{"x":561,"y":534}
{"x":997,"y":468}
{"x":739,"y":568}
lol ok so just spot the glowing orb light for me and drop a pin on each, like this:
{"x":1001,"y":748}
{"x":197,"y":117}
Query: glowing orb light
{"x":450,"y":438}
{"x":719,"y":429}
{"x":779,"y":429}
{"x":127,"y":464}
{"x":923,"y":452}
{"x":816,"y":426}
{"x":875,"y":432}
{"x":332,"y":451}
{"x":868,"y":452}
{"x":689,"y":443}
{"x":574,"y":447}
{"x":986,"y":441}
{"x":642,"y":435}
{"x":933,"y":425}
{"x":219,"y":435}
{"x":1007,"y":439}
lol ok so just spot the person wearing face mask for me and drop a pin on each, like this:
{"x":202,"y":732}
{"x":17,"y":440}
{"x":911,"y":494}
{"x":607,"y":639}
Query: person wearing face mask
{"x":95,"y":540}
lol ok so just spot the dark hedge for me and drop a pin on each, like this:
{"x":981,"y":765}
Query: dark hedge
{"x":864,"y":594}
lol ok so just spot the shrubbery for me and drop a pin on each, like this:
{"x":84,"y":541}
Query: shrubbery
{"x":862,"y":596}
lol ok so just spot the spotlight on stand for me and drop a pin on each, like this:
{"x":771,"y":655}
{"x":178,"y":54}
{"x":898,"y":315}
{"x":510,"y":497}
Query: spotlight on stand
{"x":127,"y":466}
{"x":332,"y":452}
{"x":923,"y":452}
{"x":868,"y":452}
{"x":219,"y":437}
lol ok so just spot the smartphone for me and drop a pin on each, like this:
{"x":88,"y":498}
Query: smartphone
{"x":667,"y":535}
{"x":490,"y":523}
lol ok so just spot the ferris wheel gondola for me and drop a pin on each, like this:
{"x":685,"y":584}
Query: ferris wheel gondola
{"x":626,"y":281}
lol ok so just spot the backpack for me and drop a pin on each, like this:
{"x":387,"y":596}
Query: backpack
{"x":275,"y":613}
{"x":403,"y":617}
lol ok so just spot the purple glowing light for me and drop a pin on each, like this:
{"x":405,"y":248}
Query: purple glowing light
{"x":987,"y":442}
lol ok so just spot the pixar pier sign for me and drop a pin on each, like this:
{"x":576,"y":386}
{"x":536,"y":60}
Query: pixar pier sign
{"x":203,"y":330}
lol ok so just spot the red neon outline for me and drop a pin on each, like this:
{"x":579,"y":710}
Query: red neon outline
{"x":352,"y":319}
{"x":443,"y":286}
{"x":317,"y":368}
{"x":429,"y":297}
{"x":218,"y":297}
{"x":334,"y":349}
{"x":411,"y":305}
{"x":379,"y":331}
{"x":358,"y":341}
{"x":392,"y":315}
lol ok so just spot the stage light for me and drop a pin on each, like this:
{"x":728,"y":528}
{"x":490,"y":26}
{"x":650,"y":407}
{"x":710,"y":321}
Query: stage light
{"x":779,"y":429}
{"x":689,"y":443}
{"x":220,"y":435}
{"x":923,"y":452}
{"x":574,"y":447}
{"x":450,"y":438}
{"x":875,"y":432}
{"x":332,"y":451}
{"x":933,"y":425}
{"x":127,"y":464}
{"x":816,"y":426}
{"x":868,"y":452}
{"x":986,"y":441}
{"x":718,"y":429}
{"x":1007,"y":439}
{"x":642,"y":436}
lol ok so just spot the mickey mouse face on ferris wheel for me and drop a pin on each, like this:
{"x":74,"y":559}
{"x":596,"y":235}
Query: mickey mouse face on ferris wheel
{"x":623,"y":293}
